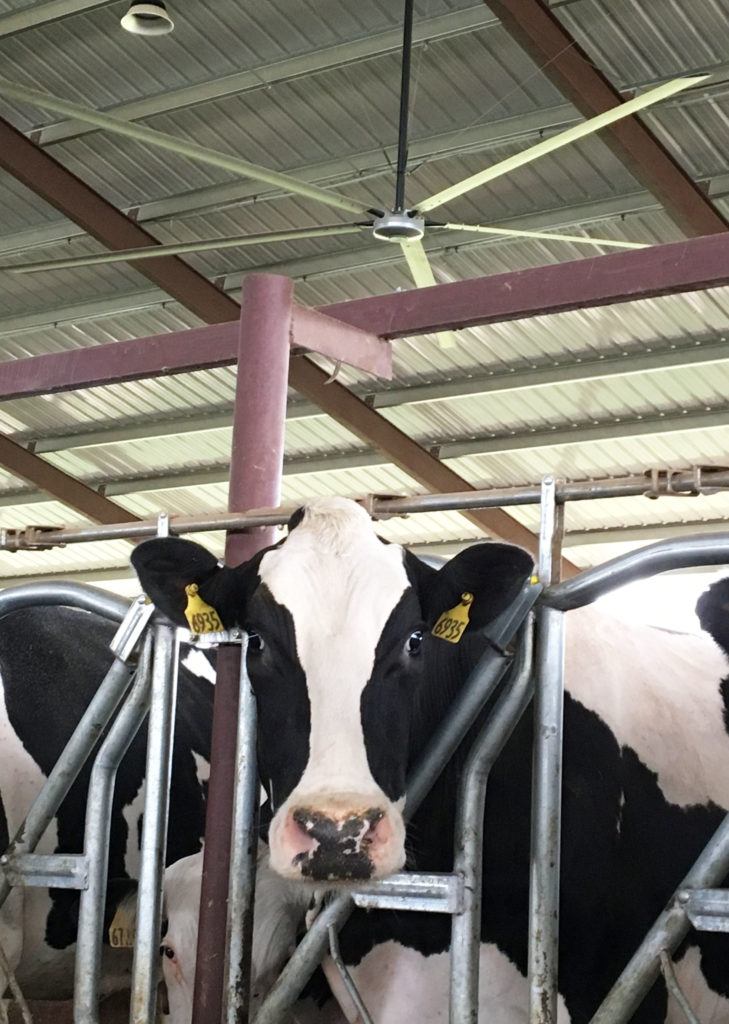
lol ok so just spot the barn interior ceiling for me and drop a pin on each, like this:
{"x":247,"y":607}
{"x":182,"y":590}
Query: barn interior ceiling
{"x":311,"y":90}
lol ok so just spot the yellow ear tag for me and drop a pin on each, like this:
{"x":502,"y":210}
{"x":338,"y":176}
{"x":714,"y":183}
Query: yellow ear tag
{"x":201,"y":617}
{"x":452,"y":624}
{"x":121,"y":930}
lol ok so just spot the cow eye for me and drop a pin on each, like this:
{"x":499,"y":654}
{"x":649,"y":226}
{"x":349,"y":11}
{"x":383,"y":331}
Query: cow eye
{"x":255,"y":643}
{"x":414,"y":642}
{"x":167,"y":951}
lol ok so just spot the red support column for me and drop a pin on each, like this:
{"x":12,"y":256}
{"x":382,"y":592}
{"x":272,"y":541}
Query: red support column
{"x":255,"y":482}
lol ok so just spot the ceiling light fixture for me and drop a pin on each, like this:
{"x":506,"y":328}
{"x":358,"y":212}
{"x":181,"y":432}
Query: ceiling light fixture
{"x":148,"y":19}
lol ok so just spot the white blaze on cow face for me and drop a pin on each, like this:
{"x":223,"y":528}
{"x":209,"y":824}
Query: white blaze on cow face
{"x":340,"y":584}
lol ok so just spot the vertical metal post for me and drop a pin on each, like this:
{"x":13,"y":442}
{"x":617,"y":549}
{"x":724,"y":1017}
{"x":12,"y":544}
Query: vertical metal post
{"x":468,"y":860}
{"x":546,"y":785}
{"x":160,"y":736}
{"x":96,"y":840}
{"x":243,"y":851}
{"x":255,"y":481}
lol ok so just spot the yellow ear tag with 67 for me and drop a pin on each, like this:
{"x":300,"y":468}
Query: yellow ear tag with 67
{"x":121,"y":930}
{"x":452,"y":624}
{"x":201,"y":617}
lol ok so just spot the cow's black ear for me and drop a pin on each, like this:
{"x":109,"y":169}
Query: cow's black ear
{"x":493,"y":573}
{"x":167,"y":565}
{"x":712,"y":610}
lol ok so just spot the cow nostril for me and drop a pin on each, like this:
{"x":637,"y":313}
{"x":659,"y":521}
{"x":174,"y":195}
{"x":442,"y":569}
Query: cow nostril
{"x":356,"y":831}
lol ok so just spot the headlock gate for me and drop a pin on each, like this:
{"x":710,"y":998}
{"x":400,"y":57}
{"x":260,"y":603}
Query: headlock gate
{"x":525,"y":658}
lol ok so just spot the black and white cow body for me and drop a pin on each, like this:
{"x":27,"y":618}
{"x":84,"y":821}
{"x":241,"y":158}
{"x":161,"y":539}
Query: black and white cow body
{"x":52,"y":660}
{"x":350,"y":684}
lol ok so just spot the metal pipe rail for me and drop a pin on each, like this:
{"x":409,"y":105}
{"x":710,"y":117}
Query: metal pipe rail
{"x":158,"y":773}
{"x":70,"y":595}
{"x":96,"y":840}
{"x":622,"y":487}
{"x":664,"y":555}
{"x":470,"y":802}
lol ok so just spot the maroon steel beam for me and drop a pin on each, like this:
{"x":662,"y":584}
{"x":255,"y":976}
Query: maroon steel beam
{"x":38,"y":170}
{"x":136,"y":359}
{"x":255,"y":481}
{"x":563,"y":61}
{"x":688,"y":266}
{"x":72,"y":492}
{"x":694,"y":265}
{"x":58,"y":186}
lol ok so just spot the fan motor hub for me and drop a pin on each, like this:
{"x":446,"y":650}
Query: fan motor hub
{"x":398,"y":227}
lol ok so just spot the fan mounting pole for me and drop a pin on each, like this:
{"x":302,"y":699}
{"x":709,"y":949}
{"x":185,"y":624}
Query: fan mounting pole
{"x":402,"y":133}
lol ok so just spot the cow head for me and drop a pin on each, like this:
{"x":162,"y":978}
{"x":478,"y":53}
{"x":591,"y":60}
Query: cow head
{"x":339,"y":626}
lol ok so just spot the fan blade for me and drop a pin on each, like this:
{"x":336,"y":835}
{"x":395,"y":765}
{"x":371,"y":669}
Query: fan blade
{"x":177,"y":248}
{"x":422,"y":274}
{"x":547,"y":236}
{"x":192,"y":150}
{"x":579,"y":131}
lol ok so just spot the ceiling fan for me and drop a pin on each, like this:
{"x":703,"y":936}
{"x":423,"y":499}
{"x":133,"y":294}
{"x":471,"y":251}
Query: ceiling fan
{"x":400,"y":223}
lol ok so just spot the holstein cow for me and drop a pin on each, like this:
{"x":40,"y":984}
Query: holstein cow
{"x":350,"y":683}
{"x":51,"y":663}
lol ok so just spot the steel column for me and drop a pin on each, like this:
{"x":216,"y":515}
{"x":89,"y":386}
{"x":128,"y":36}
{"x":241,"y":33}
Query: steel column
{"x":160,"y":735}
{"x":546,"y":785}
{"x":255,"y":481}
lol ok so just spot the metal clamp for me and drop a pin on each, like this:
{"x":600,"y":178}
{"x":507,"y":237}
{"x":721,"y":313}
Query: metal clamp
{"x":29,"y":538}
{"x":662,"y":482}
{"x":46,"y":871}
{"x":369,"y":502}
{"x":706,"y":909}
{"x":132,"y":627}
{"x":700,"y":473}
{"x":205,"y":641}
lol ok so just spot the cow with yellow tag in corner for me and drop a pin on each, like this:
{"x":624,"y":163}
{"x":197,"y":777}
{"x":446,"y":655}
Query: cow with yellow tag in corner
{"x":357,"y":650}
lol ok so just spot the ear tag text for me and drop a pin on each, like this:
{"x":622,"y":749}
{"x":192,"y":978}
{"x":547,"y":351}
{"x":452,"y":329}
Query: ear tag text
{"x":121,"y":930}
{"x":452,"y":624}
{"x":201,"y":617}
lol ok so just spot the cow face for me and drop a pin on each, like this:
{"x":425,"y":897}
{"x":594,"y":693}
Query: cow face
{"x":339,"y":637}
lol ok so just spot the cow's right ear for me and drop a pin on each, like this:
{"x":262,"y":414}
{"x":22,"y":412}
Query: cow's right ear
{"x":173,"y":570}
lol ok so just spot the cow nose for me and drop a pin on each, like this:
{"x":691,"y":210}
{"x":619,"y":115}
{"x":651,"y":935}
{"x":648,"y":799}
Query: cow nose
{"x":337,"y":846}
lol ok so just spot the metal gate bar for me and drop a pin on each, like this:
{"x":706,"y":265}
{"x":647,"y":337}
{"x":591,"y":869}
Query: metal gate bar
{"x":65,"y":771}
{"x":243,"y":856}
{"x":96,"y":840}
{"x":160,"y":734}
{"x":471,"y":800}
{"x":575,"y":593}
{"x":671,"y":927}
{"x":94,"y":720}
{"x":546,"y":807}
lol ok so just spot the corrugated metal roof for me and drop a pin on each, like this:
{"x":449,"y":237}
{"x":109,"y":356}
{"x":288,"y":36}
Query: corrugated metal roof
{"x":342,"y":116}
